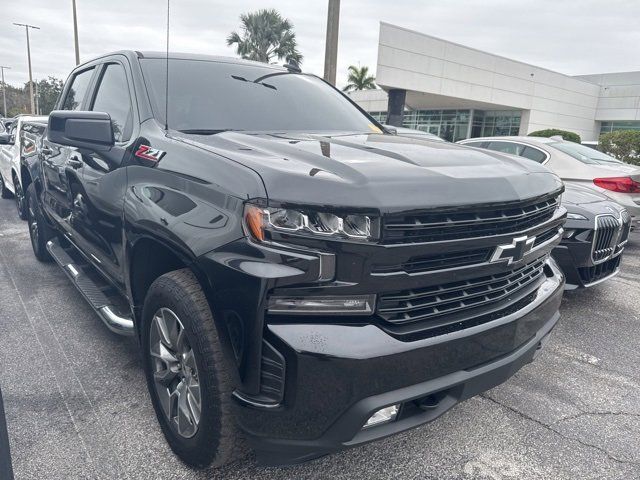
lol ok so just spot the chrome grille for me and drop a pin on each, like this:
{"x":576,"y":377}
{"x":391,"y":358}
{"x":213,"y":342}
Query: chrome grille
{"x":456,"y":224}
{"x":468,"y":296}
{"x":606,"y":237}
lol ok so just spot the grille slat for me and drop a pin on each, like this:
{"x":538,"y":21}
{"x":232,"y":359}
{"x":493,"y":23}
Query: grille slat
{"x":456,"y":224}
{"x":432,"y":302}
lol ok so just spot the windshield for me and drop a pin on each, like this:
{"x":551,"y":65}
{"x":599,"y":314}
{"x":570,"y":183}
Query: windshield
{"x":209,"y":96}
{"x":584,"y":154}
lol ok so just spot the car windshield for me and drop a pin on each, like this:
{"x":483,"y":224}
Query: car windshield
{"x":585,"y":154}
{"x":207,"y":97}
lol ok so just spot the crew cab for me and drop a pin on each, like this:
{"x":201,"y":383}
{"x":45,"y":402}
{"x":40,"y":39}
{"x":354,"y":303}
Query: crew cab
{"x":296,"y":276}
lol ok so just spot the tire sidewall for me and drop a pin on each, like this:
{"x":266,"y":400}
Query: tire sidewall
{"x":39,"y":246}
{"x":193,"y":449}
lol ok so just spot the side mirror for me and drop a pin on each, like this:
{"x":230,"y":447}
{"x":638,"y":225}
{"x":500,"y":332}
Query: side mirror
{"x":5,"y":139}
{"x":91,"y":131}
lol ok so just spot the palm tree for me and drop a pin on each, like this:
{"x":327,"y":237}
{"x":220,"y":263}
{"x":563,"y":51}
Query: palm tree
{"x":265,"y":35}
{"x":359,"y":79}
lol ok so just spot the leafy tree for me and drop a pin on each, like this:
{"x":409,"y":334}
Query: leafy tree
{"x":359,"y":79}
{"x":48,"y":92}
{"x":552,"y":132}
{"x":265,"y":35}
{"x":622,"y":144}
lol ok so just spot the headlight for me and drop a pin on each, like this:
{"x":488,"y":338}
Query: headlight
{"x":260,"y":221}
{"x":576,"y":216}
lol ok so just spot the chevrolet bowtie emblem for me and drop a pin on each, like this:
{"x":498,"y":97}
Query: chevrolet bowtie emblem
{"x":514,"y":252}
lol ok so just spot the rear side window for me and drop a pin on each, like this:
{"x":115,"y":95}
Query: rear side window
{"x":506,"y":147}
{"x":113,"y":98}
{"x":78,"y":90}
{"x":476,"y":144}
{"x":534,"y":154}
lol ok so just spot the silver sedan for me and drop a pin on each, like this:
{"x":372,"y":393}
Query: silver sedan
{"x":574,"y":163}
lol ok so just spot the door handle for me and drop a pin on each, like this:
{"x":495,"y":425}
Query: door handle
{"x":46,"y":151}
{"x":75,"y":163}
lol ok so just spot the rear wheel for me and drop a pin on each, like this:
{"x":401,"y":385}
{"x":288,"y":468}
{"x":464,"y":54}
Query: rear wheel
{"x":4,"y":193}
{"x":21,"y":200}
{"x":39,"y":231}
{"x":188,"y":377}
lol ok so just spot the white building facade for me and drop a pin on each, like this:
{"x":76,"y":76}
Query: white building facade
{"x":459,"y":92}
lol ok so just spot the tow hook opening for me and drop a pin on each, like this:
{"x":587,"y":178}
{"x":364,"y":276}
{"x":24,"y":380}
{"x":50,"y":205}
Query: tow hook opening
{"x":431,"y":401}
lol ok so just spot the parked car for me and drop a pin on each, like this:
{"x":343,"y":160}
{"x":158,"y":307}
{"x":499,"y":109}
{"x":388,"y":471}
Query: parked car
{"x":13,"y":148}
{"x":595,"y":235}
{"x":294,"y":275}
{"x":412,"y":133}
{"x":577,"y":164}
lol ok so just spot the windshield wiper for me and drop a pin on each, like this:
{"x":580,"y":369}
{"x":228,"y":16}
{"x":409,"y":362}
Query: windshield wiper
{"x":208,"y":131}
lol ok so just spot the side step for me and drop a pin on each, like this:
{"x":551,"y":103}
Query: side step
{"x":103,"y":298}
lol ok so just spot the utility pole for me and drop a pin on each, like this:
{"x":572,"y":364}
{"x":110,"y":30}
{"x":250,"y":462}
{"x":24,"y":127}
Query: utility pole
{"x":26,"y":28}
{"x":331,"y":46}
{"x":75,"y":32}
{"x":37,"y":99}
{"x":4,"y":91}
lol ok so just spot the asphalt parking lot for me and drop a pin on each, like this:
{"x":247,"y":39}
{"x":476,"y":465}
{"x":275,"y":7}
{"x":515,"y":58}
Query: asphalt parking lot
{"x":77,"y":404}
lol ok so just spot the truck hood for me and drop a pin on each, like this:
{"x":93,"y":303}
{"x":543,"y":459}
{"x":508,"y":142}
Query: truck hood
{"x":385,"y":172}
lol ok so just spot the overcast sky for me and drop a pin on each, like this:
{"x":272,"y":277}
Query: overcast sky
{"x":572,"y":37}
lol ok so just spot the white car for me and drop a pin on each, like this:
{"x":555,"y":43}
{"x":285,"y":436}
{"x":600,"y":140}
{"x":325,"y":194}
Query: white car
{"x":11,"y":151}
{"x":575,"y":163}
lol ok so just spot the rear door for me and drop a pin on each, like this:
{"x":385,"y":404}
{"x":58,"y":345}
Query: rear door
{"x":62,"y":166}
{"x":99,"y":199}
{"x":7,"y":152}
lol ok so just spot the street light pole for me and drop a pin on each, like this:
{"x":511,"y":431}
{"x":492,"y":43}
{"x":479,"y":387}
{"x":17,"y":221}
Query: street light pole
{"x":4,"y":91}
{"x":331,"y":46}
{"x":75,"y":32}
{"x":27,"y":27}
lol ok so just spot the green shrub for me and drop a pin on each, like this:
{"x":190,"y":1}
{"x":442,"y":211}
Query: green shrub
{"x":552,"y":132}
{"x":622,"y":144}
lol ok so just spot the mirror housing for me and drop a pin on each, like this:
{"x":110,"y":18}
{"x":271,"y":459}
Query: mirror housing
{"x":5,"y":139}
{"x":90,"y":131}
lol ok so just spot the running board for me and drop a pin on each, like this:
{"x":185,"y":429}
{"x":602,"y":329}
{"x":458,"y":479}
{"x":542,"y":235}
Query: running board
{"x":105,"y":305}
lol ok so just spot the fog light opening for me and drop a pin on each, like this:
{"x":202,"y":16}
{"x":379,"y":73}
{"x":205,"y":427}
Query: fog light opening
{"x":382,"y":416}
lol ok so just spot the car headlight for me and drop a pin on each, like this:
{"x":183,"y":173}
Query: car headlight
{"x":260,"y":221}
{"x":576,"y":216}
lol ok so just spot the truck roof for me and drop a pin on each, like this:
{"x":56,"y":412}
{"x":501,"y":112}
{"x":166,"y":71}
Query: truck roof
{"x":188,"y":56}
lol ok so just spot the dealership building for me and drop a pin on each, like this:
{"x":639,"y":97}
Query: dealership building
{"x":458,"y":92}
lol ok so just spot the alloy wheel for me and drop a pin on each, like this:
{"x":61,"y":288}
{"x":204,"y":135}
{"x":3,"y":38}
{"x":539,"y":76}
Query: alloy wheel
{"x":33,"y":226}
{"x":175,"y":373}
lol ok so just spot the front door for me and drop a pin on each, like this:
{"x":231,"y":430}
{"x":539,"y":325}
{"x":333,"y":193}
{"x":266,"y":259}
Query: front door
{"x":99,"y":198}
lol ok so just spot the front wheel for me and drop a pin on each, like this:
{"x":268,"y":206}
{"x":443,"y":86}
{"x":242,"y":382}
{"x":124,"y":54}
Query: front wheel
{"x":21,"y":200}
{"x":188,"y":377}
{"x":39,"y":231}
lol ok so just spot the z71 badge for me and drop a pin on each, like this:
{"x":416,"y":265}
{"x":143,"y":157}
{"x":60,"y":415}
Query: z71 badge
{"x":149,"y":153}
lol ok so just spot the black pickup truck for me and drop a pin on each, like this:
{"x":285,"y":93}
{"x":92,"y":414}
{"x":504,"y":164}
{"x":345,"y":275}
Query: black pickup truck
{"x":299,"y":279}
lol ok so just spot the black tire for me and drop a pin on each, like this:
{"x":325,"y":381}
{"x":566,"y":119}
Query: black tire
{"x":4,"y":193}
{"x":39,"y":230}
{"x":21,"y":200}
{"x":217,"y":440}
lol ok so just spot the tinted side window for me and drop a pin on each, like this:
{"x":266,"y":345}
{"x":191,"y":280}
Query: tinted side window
{"x":113,"y":98}
{"x":476,"y":144}
{"x":533,"y":154}
{"x":506,"y":147}
{"x":77,"y":91}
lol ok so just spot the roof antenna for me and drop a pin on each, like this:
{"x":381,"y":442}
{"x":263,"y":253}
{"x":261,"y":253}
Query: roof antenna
{"x":166,"y":93}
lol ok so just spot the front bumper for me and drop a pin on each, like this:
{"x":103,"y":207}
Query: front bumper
{"x":338,"y":375}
